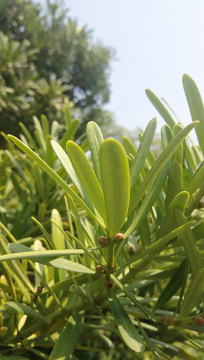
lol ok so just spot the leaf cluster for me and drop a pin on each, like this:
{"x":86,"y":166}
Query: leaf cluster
{"x":120,"y":273}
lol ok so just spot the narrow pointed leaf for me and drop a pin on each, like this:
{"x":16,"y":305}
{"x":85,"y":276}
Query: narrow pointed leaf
{"x":192,"y":295}
{"x":159,"y":163}
{"x":160,"y":107}
{"x":129,"y":146}
{"x":189,"y":243}
{"x":142,"y":151}
{"x":86,"y":176}
{"x":125,"y":326}
{"x":25,"y":310}
{"x":57,"y":235}
{"x":69,"y":134}
{"x":66,"y":344}
{"x":116,"y":183}
{"x":173,"y":285}
{"x":95,"y":139}
{"x":195,"y":104}
{"x":54,"y":176}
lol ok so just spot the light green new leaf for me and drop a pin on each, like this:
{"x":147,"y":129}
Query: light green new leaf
{"x":192,"y":295}
{"x":25,"y":310}
{"x":195,"y":104}
{"x":66,"y":163}
{"x":66,"y":344}
{"x":87,"y":177}
{"x":160,"y":107}
{"x":129,"y":146}
{"x":70,"y":266}
{"x":142,"y":151}
{"x":57,"y":235}
{"x":95,"y":139}
{"x":116,"y":183}
{"x":159,"y":163}
{"x":125,"y":326}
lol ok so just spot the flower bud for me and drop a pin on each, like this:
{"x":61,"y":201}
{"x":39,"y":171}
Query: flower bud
{"x":118,"y":238}
{"x":109,"y":283}
{"x":199,"y":320}
{"x":130,"y":250}
{"x":39,"y":289}
{"x":99,"y":269}
{"x":103,"y":241}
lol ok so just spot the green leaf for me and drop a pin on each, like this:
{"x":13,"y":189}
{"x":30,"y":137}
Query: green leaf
{"x":125,"y":326}
{"x":189,"y":243}
{"x":55,"y":177}
{"x":116,"y":183}
{"x":70,"y":266}
{"x":78,"y":290}
{"x":160,"y":107}
{"x":159,"y":163}
{"x":150,"y":344}
{"x":192,"y":295}
{"x":66,"y":344}
{"x":87,"y":177}
{"x":132,"y":298}
{"x":95,"y":139}
{"x":175,"y":182}
{"x":57,"y":235}
{"x":197,"y":180}
{"x":142,"y":152}
{"x":173,"y":285}
{"x":70,"y":132}
{"x":195,"y":104}
{"x":18,"y":308}
{"x":66,"y":163}
{"x":15,"y":266}
{"x":129,"y":146}
{"x":149,"y":200}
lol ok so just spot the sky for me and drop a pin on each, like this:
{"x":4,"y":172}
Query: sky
{"x":155,"y":42}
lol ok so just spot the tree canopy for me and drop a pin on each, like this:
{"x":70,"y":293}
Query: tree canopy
{"x":48,"y":60}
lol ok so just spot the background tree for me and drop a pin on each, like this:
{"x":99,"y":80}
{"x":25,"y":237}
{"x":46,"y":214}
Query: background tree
{"x":47,"y":60}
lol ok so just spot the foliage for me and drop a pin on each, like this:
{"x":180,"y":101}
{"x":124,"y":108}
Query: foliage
{"x":122,"y":275}
{"x":46,"y":59}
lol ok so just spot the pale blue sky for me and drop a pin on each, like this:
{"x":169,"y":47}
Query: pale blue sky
{"x":156,"y":42}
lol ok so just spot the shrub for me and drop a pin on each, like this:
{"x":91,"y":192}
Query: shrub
{"x":123,"y":274}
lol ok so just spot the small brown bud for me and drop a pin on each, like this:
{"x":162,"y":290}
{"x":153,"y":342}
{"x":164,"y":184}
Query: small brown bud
{"x":39,"y":289}
{"x":130,"y":250}
{"x":103,"y":241}
{"x":109,"y":283}
{"x":166,"y":319}
{"x":99,"y":269}
{"x":34,"y":297}
{"x":118,"y":237}
{"x":199,"y":320}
